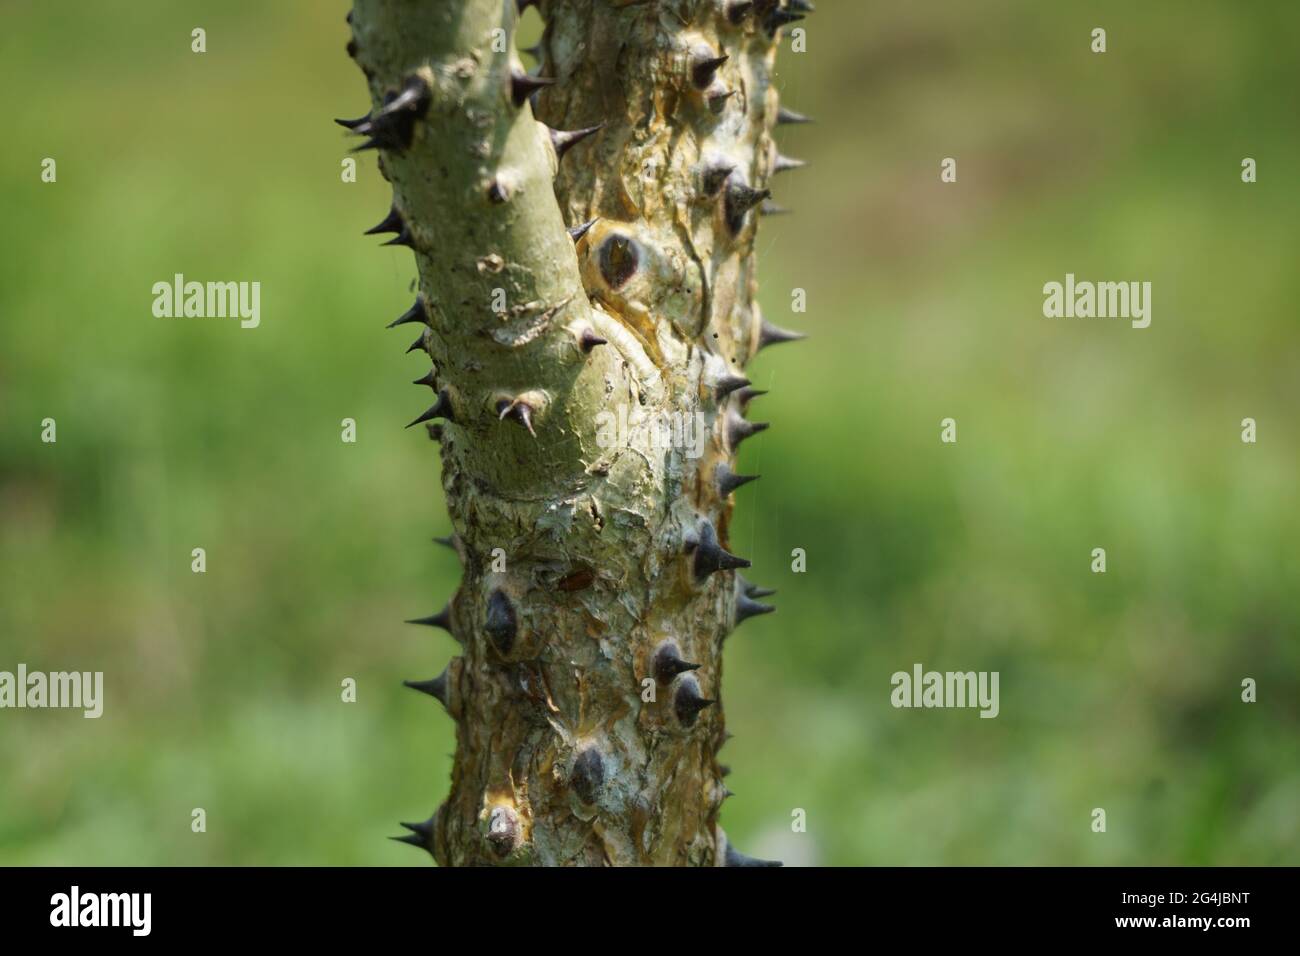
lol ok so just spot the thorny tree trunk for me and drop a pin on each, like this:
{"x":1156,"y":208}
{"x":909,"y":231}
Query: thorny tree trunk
{"x":597,"y":587}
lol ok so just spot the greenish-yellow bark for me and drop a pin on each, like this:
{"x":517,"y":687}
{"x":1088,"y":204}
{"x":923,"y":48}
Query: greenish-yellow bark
{"x":589,"y":399}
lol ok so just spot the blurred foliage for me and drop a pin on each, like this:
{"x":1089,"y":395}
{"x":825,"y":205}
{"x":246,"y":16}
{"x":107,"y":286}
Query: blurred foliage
{"x":1118,"y":691}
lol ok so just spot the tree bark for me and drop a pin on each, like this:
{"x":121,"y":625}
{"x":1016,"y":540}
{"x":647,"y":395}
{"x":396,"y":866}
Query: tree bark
{"x":589,"y":398}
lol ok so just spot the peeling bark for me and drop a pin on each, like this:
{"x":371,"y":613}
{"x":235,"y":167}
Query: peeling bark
{"x":571,"y":278}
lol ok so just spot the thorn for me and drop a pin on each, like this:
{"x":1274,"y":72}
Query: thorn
{"x":417,"y":344}
{"x":740,"y":200}
{"x":752,"y":590}
{"x":785,"y":163}
{"x":497,"y":193}
{"x":747,"y":607}
{"x":588,"y":776}
{"x":715,"y":175}
{"x":580,"y":230}
{"x":430,"y":378}
{"x":434,"y":687}
{"x":769,"y":334}
{"x":724,"y":771}
{"x":393,"y":124}
{"x":403,"y":238}
{"x":565,"y":140}
{"x":535,"y":51}
{"x":517,"y":411}
{"x":687,"y":702}
{"x":668,"y":663}
{"x":447,"y":542}
{"x":439,"y":409}
{"x":589,"y":340}
{"x":785,"y":117}
{"x":711,"y":556}
{"x":739,"y":428}
{"x":391,"y":223}
{"x":800,"y":6}
{"x":729,"y":383}
{"x":353,"y":123}
{"x":424,"y":828}
{"x":410,"y":839}
{"x":728,"y":481}
{"x":718,"y":100}
{"x":501,"y":625}
{"x":769,"y":208}
{"x":705,"y":68}
{"x":524,"y":85}
{"x":735,"y":858}
{"x":503,"y":831}
{"x":778,"y":17}
{"x":737,"y":10}
{"x":442,"y":619}
{"x":743,"y":397}
{"x":416,"y":313}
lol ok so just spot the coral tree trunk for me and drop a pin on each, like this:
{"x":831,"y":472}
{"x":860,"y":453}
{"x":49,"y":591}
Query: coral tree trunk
{"x":597,"y":588}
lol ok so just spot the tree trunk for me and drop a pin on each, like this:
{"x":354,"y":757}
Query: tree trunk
{"x":589,"y":398}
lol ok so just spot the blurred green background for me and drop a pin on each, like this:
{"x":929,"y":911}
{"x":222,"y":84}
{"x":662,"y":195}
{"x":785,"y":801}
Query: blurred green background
{"x":1119,"y":691}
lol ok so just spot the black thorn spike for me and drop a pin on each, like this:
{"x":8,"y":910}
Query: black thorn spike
{"x":738,"y":429}
{"x":740,"y":199}
{"x":737,"y":10}
{"x":752,"y":590}
{"x":416,"y":313}
{"x":724,"y":771}
{"x":668,"y":663}
{"x":785,"y":117}
{"x":411,"y":839}
{"x":403,"y":238}
{"x":393,"y":124}
{"x":743,"y":397}
{"x":391,"y":223}
{"x":565,"y":140}
{"x":424,"y":828}
{"x":687,"y":702}
{"x":728,"y":481}
{"x":786,"y":163}
{"x":580,"y":230}
{"x":729,"y":383}
{"x":747,"y":607}
{"x":715,"y":176}
{"x":417,"y":344}
{"x":524,"y":85}
{"x":442,"y":619}
{"x":588,"y":777}
{"x":589,"y":340}
{"x":518,"y":412}
{"x":710,"y":556}
{"x":705,"y":68}
{"x":501,"y":625}
{"x":435,"y":687}
{"x":779,"y":17}
{"x":353,"y":123}
{"x":769,"y":334}
{"x":447,"y":542}
{"x":735,"y":858}
{"x":439,"y":409}
{"x":430,"y":378}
